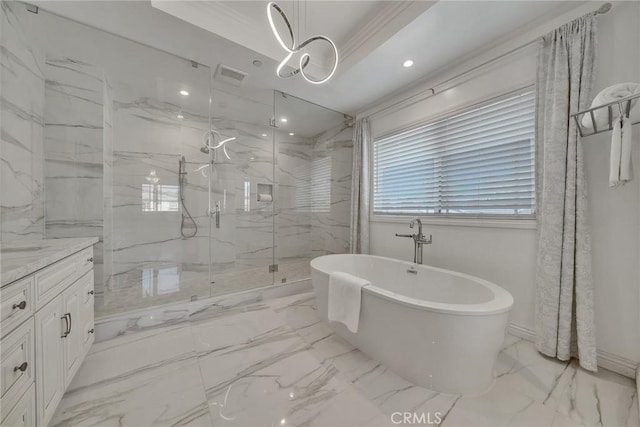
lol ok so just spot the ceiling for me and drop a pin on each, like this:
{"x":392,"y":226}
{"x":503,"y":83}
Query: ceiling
{"x":373,"y":37}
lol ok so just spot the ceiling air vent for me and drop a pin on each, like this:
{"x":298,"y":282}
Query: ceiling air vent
{"x":230,"y":75}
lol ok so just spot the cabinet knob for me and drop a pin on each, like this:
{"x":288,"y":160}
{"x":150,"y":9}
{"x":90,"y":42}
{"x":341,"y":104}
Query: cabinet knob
{"x":22,"y":305}
{"x":90,"y":259}
{"x":91,"y":292}
{"x":91,"y":331}
{"x":21,"y":368}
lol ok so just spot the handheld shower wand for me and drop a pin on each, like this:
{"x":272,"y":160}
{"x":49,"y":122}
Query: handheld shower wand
{"x":182,"y":175}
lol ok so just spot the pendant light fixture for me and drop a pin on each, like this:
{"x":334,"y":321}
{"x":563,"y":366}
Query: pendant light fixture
{"x":294,"y":48}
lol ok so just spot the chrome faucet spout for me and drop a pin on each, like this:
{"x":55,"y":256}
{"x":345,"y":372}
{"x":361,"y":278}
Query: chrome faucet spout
{"x":413,"y":222}
{"x":418,"y":240}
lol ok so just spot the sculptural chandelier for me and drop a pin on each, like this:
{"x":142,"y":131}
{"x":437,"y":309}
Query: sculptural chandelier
{"x":294,"y":48}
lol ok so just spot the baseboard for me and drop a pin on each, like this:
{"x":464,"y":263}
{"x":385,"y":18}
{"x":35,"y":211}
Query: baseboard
{"x":521,"y":332}
{"x":606,"y":360}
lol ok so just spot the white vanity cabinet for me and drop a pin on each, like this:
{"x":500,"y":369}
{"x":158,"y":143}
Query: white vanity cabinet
{"x":47,"y":330}
{"x":49,"y":359}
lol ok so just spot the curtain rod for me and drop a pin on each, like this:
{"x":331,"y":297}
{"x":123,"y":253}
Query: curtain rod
{"x":606,"y":7}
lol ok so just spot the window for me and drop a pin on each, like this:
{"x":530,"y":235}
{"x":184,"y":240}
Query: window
{"x":321,"y":185}
{"x":313,"y":186}
{"x":476,"y":163}
{"x":160,"y":198}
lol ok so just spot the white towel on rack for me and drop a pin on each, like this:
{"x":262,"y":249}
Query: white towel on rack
{"x":607,"y":95}
{"x":626,"y":168}
{"x":614,"y":157}
{"x":620,"y":166}
{"x":345,"y":291}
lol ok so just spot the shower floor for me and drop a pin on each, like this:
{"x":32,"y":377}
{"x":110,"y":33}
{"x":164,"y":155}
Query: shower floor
{"x":158,"y":284}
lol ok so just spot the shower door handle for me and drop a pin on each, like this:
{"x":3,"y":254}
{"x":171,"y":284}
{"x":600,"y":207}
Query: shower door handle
{"x":217,"y":214}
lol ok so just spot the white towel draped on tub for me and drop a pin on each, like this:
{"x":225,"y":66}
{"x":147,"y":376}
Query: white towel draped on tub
{"x":345,"y":291}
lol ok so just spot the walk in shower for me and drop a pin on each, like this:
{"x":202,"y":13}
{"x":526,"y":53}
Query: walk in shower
{"x":131,"y":152}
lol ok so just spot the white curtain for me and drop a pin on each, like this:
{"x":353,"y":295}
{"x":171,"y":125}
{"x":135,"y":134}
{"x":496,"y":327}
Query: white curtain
{"x":360,"y":187}
{"x":564,"y":313}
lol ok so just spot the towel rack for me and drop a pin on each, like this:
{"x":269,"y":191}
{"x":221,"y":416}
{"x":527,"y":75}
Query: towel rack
{"x":623,"y":105}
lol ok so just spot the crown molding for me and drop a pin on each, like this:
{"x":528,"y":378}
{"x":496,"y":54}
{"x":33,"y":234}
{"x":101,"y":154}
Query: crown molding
{"x":393,"y":17}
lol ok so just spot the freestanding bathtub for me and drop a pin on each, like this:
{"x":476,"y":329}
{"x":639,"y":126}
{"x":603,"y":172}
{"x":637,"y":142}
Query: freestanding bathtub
{"x":436,"y":328}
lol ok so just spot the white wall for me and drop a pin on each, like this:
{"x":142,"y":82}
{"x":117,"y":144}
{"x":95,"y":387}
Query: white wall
{"x":507,"y":256}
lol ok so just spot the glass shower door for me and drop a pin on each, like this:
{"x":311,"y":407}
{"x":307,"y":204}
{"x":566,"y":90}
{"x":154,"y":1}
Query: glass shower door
{"x":241,"y":194}
{"x":314,"y":147}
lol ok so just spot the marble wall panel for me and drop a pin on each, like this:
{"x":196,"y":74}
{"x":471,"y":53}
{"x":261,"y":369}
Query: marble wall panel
{"x":21,"y":127}
{"x":73,"y":150}
{"x":293,"y":197}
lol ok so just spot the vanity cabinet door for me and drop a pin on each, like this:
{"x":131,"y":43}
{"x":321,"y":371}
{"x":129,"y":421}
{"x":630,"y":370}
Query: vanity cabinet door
{"x":73,"y":342}
{"x":51,"y":327}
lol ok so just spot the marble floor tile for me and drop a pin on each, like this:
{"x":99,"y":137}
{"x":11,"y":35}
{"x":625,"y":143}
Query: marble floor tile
{"x":247,"y":362}
{"x":109,"y":361}
{"x":286,"y":388}
{"x":604,"y":398}
{"x":500,"y":406}
{"x":390,"y":392}
{"x":520,"y":367}
{"x":167,"y":395}
{"x":297,"y":310}
{"x":151,"y":378}
{"x":238,"y":329}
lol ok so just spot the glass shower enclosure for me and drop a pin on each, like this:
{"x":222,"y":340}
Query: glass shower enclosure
{"x":195,"y":187}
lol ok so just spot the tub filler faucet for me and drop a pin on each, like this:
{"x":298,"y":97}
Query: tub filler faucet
{"x":418,"y":240}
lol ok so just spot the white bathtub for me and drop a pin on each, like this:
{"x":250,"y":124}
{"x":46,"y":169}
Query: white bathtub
{"x":436,"y":328}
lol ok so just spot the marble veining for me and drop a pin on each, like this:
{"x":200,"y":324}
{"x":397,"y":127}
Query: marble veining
{"x":73,"y":153}
{"x":273,"y":362}
{"x":21,"y":130}
{"x":21,"y":258}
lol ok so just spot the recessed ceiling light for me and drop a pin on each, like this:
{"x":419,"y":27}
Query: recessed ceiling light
{"x":184,"y":93}
{"x":264,"y":134}
{"x":291,"y":133}
{"x":408,"y":63}
{"x":180,"y":116}
{"x":283,"y":119}
{"x":257,"y":63}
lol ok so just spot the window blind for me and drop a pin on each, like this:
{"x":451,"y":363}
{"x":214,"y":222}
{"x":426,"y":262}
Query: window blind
{"x":478,"y":162}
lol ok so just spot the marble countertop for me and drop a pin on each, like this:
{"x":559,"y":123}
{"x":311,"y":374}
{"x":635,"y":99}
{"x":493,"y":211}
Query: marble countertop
{"x":21,"y":258}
